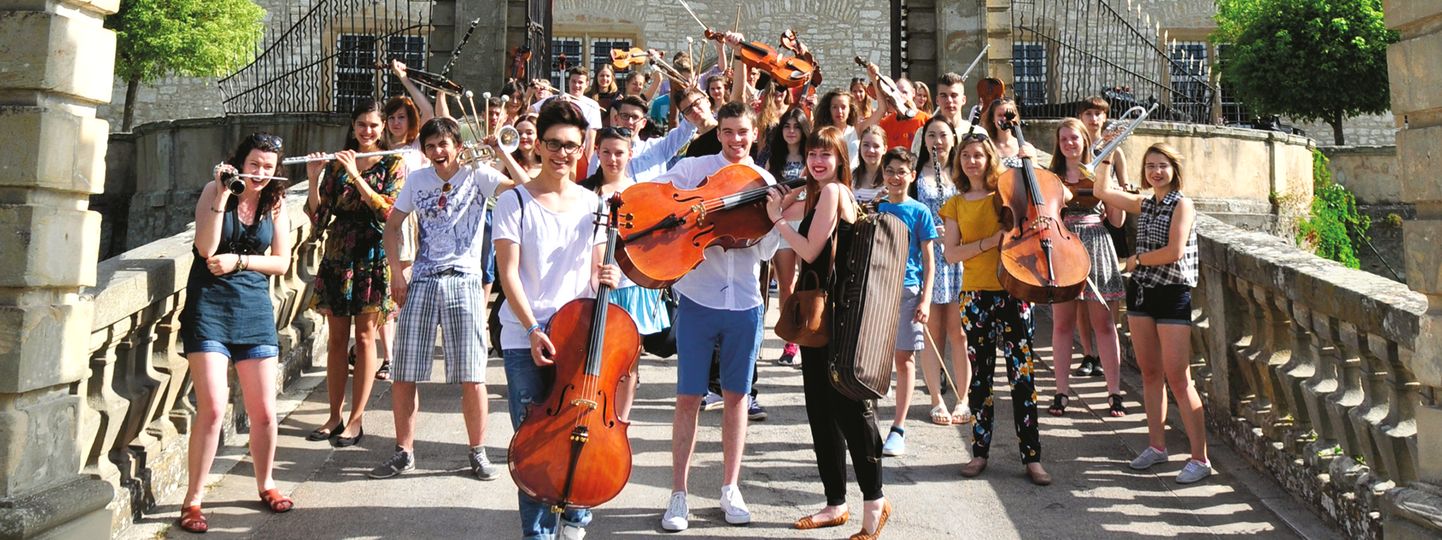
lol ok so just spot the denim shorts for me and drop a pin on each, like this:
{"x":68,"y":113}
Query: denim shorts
{"x":235,"y":352}
{"x":1167,"y":304}
{"x":699,"y":330}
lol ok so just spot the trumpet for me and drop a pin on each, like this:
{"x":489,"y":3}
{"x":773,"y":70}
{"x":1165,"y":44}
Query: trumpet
{"x":328,"y":157}
{"x":1113,"y":137}
{"x":507,"y":138}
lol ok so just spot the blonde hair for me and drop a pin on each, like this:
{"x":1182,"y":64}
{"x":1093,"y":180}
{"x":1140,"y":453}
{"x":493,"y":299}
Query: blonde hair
{"x":1058,"y":161}
{"x":990,"y":176}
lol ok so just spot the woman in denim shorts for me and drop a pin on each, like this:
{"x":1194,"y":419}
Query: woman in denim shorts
{"x":1159,"y":304}
{"x":228,"y":318}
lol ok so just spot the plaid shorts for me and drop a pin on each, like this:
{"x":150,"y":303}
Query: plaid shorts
{"x":456,"y":303}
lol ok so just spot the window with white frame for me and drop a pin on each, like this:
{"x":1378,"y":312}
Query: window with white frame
{"x":1028,"y":64}
{"x":410,"y":50}
{"x":356,"y":59}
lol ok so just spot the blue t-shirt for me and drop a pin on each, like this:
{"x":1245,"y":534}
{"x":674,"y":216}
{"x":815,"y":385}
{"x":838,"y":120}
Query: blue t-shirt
{"x":918,"y":220}
{"x":660,"y":108}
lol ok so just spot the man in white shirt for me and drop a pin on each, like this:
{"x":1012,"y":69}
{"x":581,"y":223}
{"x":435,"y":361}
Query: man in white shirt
{"x":576,"y":79}
{"x":648,"y":157}
{"x":950,"y":104}
{"x":719,"y":303}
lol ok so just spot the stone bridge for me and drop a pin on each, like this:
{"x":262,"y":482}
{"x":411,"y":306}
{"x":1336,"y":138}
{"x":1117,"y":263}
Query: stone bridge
{"x":1325,"y":379}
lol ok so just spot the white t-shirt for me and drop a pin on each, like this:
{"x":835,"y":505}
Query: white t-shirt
{"x":415,"y":160}
{"x":589,"y":109}
{"x":450,"y":238}
{"x":555,"y":263}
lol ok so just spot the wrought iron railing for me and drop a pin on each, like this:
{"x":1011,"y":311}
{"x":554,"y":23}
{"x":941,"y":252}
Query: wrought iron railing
{"x":1067,"y":50}
{"x":319,"y":56}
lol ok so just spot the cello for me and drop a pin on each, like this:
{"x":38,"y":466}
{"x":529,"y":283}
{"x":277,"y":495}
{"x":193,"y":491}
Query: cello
{"x":1041,"y":260}
{"x":669,"y":229}
{"x":576,"y":430}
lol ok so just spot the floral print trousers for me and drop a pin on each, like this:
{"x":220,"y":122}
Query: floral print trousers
{"x":995,"y":319}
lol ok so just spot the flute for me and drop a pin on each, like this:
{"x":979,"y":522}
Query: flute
{"x":328,"y":157}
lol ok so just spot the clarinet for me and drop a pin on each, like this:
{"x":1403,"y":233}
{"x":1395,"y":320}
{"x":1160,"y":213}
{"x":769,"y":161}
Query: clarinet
{"x":457,"y":52}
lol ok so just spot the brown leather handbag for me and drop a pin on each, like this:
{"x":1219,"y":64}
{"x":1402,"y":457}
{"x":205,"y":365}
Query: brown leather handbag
{"x":806,"y":315}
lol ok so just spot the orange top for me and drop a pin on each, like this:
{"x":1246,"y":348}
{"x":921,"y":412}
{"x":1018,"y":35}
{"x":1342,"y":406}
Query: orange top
{"x":902,"y":132}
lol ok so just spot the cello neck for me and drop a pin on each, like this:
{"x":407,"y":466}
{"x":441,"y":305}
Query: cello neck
{"x":597,"y":343}
{"x":1033,"y":190}
{"x":750,"y":196}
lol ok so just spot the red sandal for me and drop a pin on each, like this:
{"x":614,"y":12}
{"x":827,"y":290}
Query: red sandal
{"x":192,"y":520}
{"x":278,"y":503}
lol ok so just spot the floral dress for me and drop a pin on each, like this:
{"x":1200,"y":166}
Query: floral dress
{"x":354,"y":277}
{"x":946,"y":278}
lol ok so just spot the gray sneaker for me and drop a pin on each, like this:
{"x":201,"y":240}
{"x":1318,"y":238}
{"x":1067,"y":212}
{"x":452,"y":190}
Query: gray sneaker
{"x":1195,"y":471}
{"x":712,"y":401}
{"x":401,"y":461}
{"x":481,"y":465}
{"x":1149,"y":457}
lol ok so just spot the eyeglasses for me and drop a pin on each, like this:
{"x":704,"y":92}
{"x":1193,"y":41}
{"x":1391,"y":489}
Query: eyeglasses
{"x":609,"y":131}
{"x":266,"y":139}
{"x":558,"y":146}
{"x":631,"y":117}
{"x":893,"y":173}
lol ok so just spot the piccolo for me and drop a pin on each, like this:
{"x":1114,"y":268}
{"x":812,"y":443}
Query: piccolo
{"x":328,"y":157}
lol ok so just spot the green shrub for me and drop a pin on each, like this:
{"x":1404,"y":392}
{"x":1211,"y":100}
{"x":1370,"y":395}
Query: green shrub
{"x":1334,"y":215}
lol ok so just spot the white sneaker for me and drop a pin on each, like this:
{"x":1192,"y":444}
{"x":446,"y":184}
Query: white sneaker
{"x":570,"y":532}
{"x":1149,"y":457}
{"x":675,"y":517}
{"x":735,"y":508}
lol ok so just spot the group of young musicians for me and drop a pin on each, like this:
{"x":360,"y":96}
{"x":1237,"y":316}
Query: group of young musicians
{"x":415,"y":240}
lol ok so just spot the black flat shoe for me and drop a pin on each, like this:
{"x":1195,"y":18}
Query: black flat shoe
{"x":342,"y":442}
{"x":1097,"y":367}
{"x":1086,"y":368}
{"x":319,"y":435}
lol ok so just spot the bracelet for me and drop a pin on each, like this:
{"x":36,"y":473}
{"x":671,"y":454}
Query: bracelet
{"x":778,"y":221}
{"x":532,"y":329}
{"x":212,"y":209}
{"x":1106,"y":162}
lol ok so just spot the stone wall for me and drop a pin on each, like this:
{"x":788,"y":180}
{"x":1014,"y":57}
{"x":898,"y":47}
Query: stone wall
{"x":135,"y":416}
{"x":158,"y":170}
{"x":1365,"y":130}
{"x":1369,"y":172}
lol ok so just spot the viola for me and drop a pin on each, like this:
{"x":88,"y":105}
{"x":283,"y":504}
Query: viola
{"x":787,"y":71}
{"x":519,"y":57}
{"x":668,"y":229}
{"x":905,"y":110}
{"x":989,"y":90}
{"x":1041,"y":260}
{"x":572,"y":451}
{"x":790,"y":42}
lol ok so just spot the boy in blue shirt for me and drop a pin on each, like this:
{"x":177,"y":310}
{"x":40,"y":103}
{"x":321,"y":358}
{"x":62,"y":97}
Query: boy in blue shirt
{"x":898,"y":173}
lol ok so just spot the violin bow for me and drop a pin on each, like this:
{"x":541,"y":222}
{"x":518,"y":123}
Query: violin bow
{"x":975,"y":62}
{"x":693,"y":15}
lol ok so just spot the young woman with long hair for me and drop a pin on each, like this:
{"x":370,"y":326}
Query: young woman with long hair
{"x":864,"y":104}
{"x":934,"y":185}
{"x":228,"y":318}
{"x":839,"y":109}
{"x":787,"y":162}
{"x":866,"y":178}
{"x":838,"y":423}
{"x":922,"y":98}
{"x":352,"y":287}
{"x":525,"y":154}
{"x":1159,"y":304}
{"x":993,"y":318}
{"x":1104,"y":285}
{"x":1007,"y":145}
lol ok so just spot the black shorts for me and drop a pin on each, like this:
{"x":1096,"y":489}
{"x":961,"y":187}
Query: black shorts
{"x":1167,"y":304}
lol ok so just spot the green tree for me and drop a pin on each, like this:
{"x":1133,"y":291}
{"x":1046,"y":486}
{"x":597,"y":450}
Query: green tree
{"x":192,"y":38}
{"x":1307,"y":59}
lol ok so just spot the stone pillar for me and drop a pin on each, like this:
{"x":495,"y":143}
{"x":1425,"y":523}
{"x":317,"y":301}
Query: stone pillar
{"x":1415,"y":69}
{"x":57,"y":67}
{"x":961,"y":32}
{"x":998,"y":35}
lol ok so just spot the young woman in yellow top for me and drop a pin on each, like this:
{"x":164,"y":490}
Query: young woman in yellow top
{"x":973,"y":233}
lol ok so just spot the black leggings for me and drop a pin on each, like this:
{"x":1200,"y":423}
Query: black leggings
{"x":838,"y":422}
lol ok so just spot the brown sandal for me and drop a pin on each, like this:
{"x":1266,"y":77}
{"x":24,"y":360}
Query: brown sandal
{"x":193,"y":521}
{"x":278,"y":503}
{"x":807,"y":523}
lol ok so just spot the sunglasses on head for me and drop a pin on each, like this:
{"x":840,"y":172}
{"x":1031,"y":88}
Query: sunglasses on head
{"x":266,"y":140}
{"x":613,"y":130}
{"x":978,"y":136}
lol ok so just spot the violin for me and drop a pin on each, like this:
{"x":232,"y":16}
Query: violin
{"x":1041,"y":260}
{"x":905,"y":110}
{"x":787,"y":71}
{"x":572,"y":451}
{"x":669,"y":229}
{"x":790,"y":42}
{"x":622,"y":58}
{"x":989,"y":90}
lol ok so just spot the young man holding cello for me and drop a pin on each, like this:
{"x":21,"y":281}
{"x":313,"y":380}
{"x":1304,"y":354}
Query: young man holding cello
{"x":548,"y":252}
{"x":720,"y":302}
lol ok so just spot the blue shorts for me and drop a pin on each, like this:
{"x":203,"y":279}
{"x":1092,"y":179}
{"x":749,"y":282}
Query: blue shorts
{"x":488,"y":254}
{"x":699,"y":329}
{"x":234,"y":352}
{"x":1167,"y":304}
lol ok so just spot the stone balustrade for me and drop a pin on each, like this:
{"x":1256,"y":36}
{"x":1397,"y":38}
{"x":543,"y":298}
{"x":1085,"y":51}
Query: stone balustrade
{"x":137,"y":409}
{"x":1307,"y":369}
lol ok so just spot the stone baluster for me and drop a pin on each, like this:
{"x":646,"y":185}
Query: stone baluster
{"x":1245,"y":351}
{"x":105,"y":409}
{"x":1398,"y":434}
{"x":1316,"y":389}
{"x":1345,"y":470}
{"x":1291,"y":377}
{"x":1367,"y":417}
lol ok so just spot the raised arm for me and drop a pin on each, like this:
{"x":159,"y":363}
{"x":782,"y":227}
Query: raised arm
{"x":823,"y":222}
{"x":1115,"y":198}
{"x":423,"y":104}
{"x":209,"y":213}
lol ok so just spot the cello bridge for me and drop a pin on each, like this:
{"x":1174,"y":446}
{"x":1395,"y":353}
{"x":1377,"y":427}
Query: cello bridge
{"x":700,"y":210}
{"x":585,"y":403}
{"x":1041,"y":222}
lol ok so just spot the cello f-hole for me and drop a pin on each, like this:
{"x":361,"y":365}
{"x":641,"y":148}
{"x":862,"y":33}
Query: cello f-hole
{"x":564,"y":391}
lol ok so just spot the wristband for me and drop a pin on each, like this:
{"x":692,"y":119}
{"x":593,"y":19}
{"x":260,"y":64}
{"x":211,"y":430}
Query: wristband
{"x":532,"y":329}
{"x":1106,"y":162}
{"x":778,"y":221}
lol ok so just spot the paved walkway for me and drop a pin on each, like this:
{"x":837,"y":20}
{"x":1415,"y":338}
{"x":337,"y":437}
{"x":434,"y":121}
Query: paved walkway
{"x":1095,"y":495}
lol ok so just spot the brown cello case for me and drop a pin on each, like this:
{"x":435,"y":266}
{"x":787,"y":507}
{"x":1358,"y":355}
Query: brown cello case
{"x":866,"y":299}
